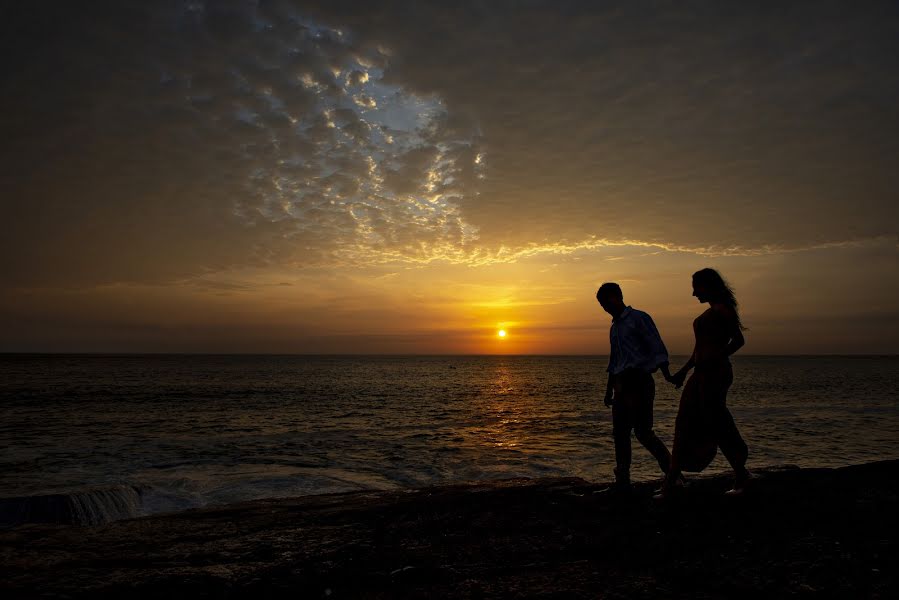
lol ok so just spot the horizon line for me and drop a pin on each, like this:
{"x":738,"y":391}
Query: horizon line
{"x":406,"y":354}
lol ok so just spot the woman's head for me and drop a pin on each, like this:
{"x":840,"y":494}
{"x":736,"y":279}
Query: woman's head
{"x":710,"y":286}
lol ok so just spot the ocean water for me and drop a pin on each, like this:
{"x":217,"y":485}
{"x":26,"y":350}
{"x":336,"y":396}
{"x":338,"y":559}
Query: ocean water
{"x":119,"y":436}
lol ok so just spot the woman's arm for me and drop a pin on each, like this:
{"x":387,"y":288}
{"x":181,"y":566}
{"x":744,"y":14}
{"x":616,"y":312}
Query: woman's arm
{"x":736,"y":335}
{"x":678,"y":378}
{"x":737,"y":341}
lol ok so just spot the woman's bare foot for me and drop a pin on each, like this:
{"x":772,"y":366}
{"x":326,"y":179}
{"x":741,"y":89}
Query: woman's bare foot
{"x":742,"y":480}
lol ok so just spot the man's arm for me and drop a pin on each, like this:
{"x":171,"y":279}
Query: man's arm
{"x":665,"y":372}
{"x":610,"y":391}
{"x":657,"y":353}
{"x":610,"y":387}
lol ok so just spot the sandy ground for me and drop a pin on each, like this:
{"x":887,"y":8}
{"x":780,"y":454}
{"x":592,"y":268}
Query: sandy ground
{"x":810,"y":532}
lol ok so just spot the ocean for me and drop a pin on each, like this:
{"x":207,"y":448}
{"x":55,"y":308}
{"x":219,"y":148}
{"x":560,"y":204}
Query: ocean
{"x":117,"y":436}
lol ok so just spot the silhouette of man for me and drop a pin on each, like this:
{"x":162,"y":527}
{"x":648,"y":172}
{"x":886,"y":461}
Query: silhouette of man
{"x":637,"y":351}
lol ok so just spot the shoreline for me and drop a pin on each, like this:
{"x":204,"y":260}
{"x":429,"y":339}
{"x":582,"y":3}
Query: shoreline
{"x":108,"y":503}
{"x":796,"y":531}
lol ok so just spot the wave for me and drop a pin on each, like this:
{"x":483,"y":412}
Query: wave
{"x":94,"y":506}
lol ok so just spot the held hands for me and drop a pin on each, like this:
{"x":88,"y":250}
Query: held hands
{"x":677,"y":379}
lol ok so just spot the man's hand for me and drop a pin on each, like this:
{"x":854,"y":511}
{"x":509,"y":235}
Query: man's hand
{"x":665,"y":372}
{"x":609,"y":400}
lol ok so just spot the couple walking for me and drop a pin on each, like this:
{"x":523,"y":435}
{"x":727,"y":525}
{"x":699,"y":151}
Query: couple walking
{"x":703,"y":422}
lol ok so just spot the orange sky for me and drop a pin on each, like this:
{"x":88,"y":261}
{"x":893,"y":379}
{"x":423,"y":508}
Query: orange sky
{"x":342,"y":178}
{"x":793,"y":303}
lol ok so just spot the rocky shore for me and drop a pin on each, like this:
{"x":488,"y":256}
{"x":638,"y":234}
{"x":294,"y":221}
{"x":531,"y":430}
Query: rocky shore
{"x":796,"y":532}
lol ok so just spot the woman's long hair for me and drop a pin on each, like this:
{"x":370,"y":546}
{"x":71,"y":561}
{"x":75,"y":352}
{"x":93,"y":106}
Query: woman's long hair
{"x":719,"y":290}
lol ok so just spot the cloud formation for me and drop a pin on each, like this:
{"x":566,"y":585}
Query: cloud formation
{"x":164,"y":140}
{"x":688,"y":124}
{"x":245,"y":138}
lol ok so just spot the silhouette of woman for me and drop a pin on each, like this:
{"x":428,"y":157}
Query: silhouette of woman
{"x":703,"y":421}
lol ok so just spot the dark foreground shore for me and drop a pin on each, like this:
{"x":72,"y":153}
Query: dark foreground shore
{"x":796,"y":532}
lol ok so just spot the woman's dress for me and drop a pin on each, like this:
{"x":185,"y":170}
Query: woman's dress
{"x":703,"y":421}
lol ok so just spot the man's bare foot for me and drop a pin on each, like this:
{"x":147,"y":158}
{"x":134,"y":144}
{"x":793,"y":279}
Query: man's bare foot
{"x":670,"y":487}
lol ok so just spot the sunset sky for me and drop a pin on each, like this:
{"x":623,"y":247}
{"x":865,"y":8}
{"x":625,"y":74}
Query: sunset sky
{"x":412,"y":177}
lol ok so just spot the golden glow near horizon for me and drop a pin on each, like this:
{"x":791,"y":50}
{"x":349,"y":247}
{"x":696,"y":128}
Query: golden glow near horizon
{"x":501,"y":333}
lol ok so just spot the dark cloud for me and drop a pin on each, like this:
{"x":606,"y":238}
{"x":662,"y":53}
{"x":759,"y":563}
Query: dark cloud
{"x":654,"y":120}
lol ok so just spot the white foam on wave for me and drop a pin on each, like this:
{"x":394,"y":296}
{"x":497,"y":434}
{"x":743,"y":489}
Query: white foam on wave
{"x":94,"y":506}
{"x":97,"y":506}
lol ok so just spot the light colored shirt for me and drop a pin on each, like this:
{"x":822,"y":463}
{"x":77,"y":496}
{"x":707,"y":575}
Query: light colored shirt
{"x":635,"y":342}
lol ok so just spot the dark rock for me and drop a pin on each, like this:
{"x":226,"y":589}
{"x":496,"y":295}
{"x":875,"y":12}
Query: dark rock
{"x":795,"y":532}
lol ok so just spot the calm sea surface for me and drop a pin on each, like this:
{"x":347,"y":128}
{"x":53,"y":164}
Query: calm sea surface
{"x":186,"y":431}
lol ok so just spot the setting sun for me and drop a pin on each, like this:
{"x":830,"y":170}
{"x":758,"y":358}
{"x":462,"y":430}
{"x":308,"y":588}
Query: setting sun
{"x":501,"y":333}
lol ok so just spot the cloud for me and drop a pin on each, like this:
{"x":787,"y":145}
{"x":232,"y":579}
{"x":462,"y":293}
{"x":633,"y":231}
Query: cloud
{"x":158,"y":141}
{"x":224,"y":136}
{"x":689,"y":125}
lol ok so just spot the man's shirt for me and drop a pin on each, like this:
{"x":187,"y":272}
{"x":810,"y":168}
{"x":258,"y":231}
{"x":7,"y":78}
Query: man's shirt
{"x":635,"y":342}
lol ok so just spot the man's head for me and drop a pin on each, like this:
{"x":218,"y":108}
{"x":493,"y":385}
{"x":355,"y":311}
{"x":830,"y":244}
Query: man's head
{"x":610,"y":298}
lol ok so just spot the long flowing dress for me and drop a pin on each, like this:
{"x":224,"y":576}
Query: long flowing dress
{"x":703,"y":421}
